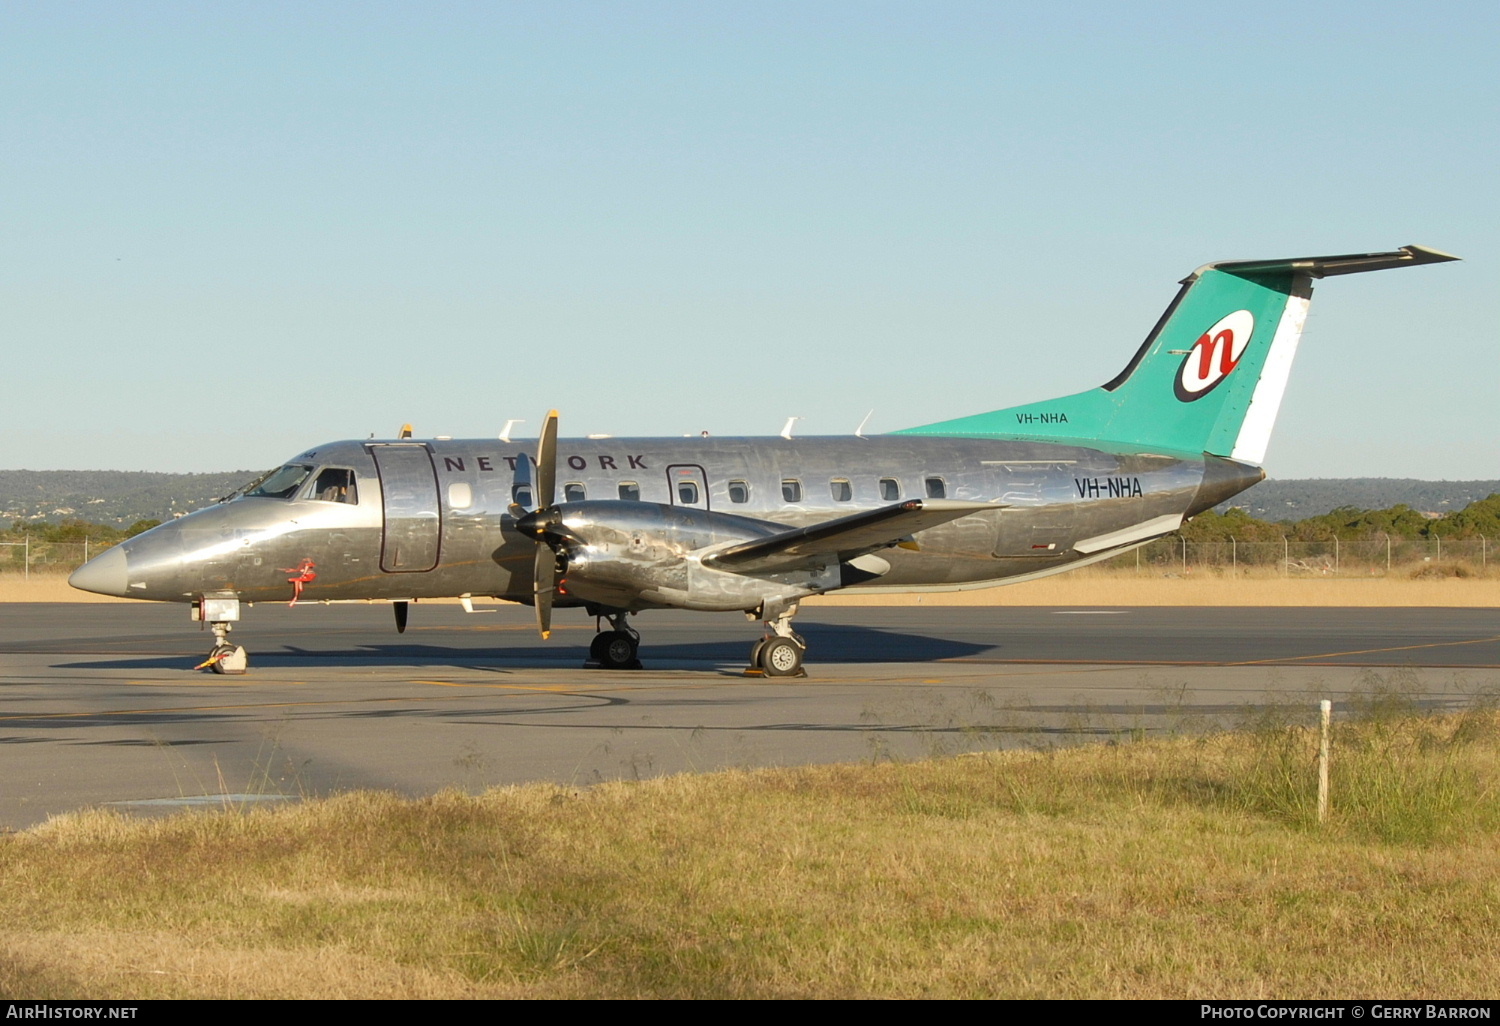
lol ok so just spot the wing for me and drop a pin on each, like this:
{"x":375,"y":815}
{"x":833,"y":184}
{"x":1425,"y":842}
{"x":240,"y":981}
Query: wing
{"x":845,"y":538}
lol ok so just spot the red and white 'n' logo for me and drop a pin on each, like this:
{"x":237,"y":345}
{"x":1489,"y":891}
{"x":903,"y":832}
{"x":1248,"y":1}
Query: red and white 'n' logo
{"x":1214,"y":355}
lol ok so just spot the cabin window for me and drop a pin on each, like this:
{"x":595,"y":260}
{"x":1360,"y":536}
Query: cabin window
{"x":630,"y":491}
{"x":739,"y":491}
{"x":335,"y":485}
{"x":460,"y":495}
{"x":791,"y":489}
{"x":687,"y":492}
{"x":521,"y":494}
{"x":574,"y":491}
{"x":890,"y":489}
{"x":937,"y":488}
{"x":842,"y":490}
{"x":283,"y":484}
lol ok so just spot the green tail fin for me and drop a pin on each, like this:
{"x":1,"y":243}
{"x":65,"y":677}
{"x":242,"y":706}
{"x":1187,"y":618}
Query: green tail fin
{"x":1210,"y":376}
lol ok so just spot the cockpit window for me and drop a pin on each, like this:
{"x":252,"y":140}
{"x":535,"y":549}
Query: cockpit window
{"x":335,"y":485}
{"x":283,"y":484}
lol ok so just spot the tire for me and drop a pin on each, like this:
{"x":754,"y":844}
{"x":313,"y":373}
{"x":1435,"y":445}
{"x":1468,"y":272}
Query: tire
{"x":230,"y":659}
{"x":755,"y":654}
{"x":617,"y":650}
{"x":781,"y":657}
{"x":596,"y":647}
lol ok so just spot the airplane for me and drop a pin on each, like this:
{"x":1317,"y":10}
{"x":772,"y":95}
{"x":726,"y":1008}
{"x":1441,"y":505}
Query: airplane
{"x":617,"y":526}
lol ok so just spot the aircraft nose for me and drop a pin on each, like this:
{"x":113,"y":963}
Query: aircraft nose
{"x":104,"y":574}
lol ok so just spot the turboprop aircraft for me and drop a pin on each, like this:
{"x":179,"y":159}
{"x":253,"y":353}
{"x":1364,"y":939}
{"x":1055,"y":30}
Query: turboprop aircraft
{"x":621,"y":525}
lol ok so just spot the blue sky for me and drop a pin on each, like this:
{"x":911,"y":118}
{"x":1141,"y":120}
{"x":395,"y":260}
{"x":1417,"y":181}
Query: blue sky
{"x":233,"y":231}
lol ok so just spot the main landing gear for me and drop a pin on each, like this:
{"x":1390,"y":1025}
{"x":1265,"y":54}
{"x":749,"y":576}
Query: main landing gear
{"x":225,"y":658}
{"x":615,"y":649}
{"x":781,"y":651}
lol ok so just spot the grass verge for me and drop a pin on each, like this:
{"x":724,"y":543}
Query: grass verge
{"x":1178,"y":868}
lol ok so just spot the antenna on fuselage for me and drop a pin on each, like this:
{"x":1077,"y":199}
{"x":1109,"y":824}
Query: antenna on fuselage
{"x":786,"y":432}
{"x":505,"y":431}
{"x":859,"y":432}
{"x":405,"y":431}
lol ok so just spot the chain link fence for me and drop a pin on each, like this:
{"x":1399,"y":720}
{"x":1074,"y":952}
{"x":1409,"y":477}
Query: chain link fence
{"x":31,"y":556}
{"x":1369,"y":557}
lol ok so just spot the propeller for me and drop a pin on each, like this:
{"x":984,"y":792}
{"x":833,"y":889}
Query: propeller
{"x":542,"y":521}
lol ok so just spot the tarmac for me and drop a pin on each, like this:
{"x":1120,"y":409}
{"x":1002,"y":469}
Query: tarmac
{"x":100,"y":704}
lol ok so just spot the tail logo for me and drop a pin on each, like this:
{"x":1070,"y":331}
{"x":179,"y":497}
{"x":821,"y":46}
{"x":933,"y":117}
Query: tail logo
{"x":1214,"y":355}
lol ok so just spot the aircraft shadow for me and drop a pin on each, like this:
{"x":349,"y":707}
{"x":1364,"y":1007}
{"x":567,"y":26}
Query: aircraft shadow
{"x":830,"y":644}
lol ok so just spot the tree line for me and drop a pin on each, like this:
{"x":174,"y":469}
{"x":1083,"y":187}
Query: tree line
{"x":1348,"y":523}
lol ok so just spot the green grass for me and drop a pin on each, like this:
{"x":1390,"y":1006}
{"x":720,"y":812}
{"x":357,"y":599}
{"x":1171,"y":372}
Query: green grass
{"x":1181,"y":868}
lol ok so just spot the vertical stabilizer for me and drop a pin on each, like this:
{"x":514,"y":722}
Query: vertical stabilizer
{"x":1210,"y":376}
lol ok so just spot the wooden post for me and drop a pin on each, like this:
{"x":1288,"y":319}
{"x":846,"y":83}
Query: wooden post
{"x":1325,"y":710}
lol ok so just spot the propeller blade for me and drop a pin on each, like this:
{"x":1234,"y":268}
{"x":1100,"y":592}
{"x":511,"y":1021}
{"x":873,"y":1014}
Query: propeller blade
{"x":400,"y":608}
{"x":546,"y":586}
{"x":546,"y":463}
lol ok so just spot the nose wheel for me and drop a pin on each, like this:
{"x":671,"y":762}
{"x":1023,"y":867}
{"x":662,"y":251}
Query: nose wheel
{"x":225,"y":658}
{"x":615,"y":649}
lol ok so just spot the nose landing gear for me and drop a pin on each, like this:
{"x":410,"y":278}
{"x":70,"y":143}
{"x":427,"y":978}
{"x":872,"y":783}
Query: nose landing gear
{"x":219,"y":611}
{"x":225,"y":658}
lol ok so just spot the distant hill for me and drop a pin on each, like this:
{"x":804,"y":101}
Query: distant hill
{"x":121,"y":497}
{"x":1296,"y":499}
{"x":117,"y":497}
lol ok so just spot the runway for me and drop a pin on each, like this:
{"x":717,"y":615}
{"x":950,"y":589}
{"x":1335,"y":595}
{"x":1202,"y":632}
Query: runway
{"x":100,"y":704}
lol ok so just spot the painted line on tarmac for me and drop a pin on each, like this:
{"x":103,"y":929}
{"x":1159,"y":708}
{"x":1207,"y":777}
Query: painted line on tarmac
{"x":1373,"y":651}
{"x":1313,"y":659}
{"x":22,"y":718}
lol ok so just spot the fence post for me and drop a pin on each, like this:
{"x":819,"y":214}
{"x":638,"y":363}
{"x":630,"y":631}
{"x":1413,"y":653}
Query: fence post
{"x":1484,"y":555}
{"x":1325,"y":714}
{"x":85,"y":548}
{"x":1335,"y":555}
{"x":1184,"y":553}
{"x":1438,"y":538}
{"x":1387,"y":552}
{"x":26,"y":574}
{"x":1234,"y":557}
{"x":1286,"y":558}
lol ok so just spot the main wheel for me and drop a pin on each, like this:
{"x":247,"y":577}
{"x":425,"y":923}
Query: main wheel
{"x":781,"y":657}
{"x":617,"y":650}
{"x":596,"y":647}
{"x":755,"y":653}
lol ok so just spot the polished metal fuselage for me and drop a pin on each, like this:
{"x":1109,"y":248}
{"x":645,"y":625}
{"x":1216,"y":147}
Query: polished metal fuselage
{"x":412,"y":535}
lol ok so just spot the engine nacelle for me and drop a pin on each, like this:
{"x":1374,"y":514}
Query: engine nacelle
{"x":638,"y":555}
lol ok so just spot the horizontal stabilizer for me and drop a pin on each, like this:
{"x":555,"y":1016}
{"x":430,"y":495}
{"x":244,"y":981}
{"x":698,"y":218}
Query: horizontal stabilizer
{"x":1327,"y":266}
{"x":844,"y":538}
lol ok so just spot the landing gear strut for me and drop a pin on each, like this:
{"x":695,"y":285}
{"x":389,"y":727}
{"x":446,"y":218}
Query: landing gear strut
{"x":780,"y":652}
{"x":615,"y":649}
{"x":225,"y":658}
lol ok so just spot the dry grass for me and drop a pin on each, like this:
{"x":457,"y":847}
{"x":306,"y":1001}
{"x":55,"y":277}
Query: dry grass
{"x":46,"y":588}
{"x":1180,"y":868}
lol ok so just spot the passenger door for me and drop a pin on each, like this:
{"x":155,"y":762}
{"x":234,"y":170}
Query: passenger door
{"x":413,"y":516}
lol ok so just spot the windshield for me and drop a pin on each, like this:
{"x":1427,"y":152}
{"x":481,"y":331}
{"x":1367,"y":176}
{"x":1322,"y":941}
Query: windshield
{"x":281,"y":484}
